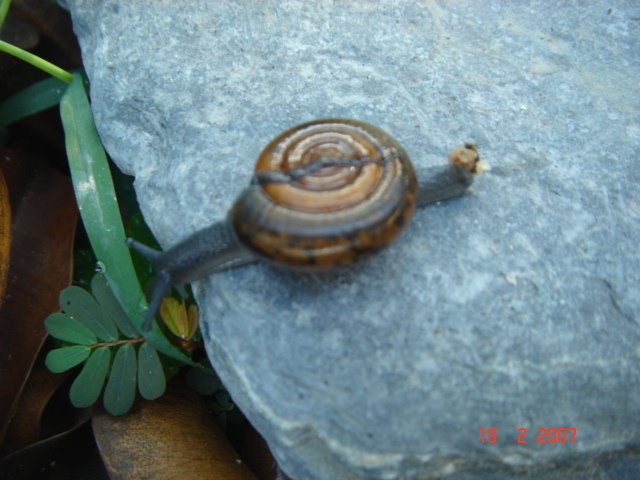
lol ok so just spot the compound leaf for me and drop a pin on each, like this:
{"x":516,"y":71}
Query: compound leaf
{"x":151,"y":379}
{"x":120,"y":391}
{"x":62,"y":359}
{"x":79,"y":304}
{"x":86,"y":387}
{"x":68,"y":329}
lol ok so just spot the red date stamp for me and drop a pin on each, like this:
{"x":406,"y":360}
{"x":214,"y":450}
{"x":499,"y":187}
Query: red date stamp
{"x":544,"y":435}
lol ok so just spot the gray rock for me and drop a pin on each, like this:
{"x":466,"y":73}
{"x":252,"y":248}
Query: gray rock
{"x":516,"y":306}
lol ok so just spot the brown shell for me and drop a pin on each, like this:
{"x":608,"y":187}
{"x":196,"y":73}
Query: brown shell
{"x":326,"y":193}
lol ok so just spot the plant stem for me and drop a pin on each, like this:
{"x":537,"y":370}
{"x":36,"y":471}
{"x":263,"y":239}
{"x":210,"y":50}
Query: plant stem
{"x":119,"y":342}
{"x":36,"y":61}
{"x":187,"y":345}
{"x":4,"y":8}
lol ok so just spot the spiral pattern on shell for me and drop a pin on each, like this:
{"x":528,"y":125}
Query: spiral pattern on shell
{"x":326,"y":193}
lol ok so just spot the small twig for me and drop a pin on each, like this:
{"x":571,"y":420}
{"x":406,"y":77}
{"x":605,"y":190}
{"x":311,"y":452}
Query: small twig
{"x":119,"y":342}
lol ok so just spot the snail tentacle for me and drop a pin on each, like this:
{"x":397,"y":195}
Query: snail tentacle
{"x":147,"y":252}
{"x":160,"y":290}
{"x":443,"y":182}
{"x":210,"y":250}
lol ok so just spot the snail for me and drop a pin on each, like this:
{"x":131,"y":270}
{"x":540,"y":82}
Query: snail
{"x":325,"y":194}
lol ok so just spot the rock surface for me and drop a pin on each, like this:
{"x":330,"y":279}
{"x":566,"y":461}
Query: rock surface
{"x":514,"y":307}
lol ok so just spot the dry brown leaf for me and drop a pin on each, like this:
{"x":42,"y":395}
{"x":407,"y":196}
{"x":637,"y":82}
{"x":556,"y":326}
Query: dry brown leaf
{"x":17,"y":170}
{"x":68,"y":454}
{"x":174,"y":437}
{"x":5,"y":235}
{"x":255,"y":452}
{"x":40,"y":266}
{"x":26,"y":424}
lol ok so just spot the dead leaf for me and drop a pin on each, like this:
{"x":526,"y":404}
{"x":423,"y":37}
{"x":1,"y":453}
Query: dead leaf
{"x":169,"y":438}
{"x":255,"y":452}
{"x":26,"y":424}
{"x":5,"y":235}
{"x":40,"y":266}
{"x":69,"y":454}
{"x":17,"y":170}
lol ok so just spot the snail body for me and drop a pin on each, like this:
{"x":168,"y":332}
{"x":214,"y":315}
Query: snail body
{"x":325,"y":194}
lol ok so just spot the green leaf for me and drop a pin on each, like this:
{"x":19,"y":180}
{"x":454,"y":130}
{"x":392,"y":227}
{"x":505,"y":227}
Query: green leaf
{"x":110,"y":305}
{"x":204,"y":381}
{"x":79,"y":304}
{"x":67,"y":329}
{"x":36,"y":98}
{"x":86,"y":387}
{"x":4,"y":8}
{"x":36,"y":61}
{"x":151,"y":380}
{"x":120,"y":391}
{"x":62,"y":359}
{"x":100,"y":214}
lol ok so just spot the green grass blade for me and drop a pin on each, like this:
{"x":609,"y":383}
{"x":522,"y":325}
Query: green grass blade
{"x":85,"y":389}
{"x":151,"y":379}
{"x":204,"y":381}
{"x":4,"y":8}
{"x":36,"y":61}
{"x":99,"y":210}
{"x":68,"y":329}
{"x":80,"y":305}
{"x":62,"y":359}
{"x":120,"y":391}
{"x":31,"y":100}
{"x":110,"y":306}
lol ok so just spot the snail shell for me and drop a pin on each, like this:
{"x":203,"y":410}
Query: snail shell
{"x":326,"y":193}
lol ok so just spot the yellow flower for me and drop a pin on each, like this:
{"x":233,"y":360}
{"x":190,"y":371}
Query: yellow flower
{"x":181,"y":322}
